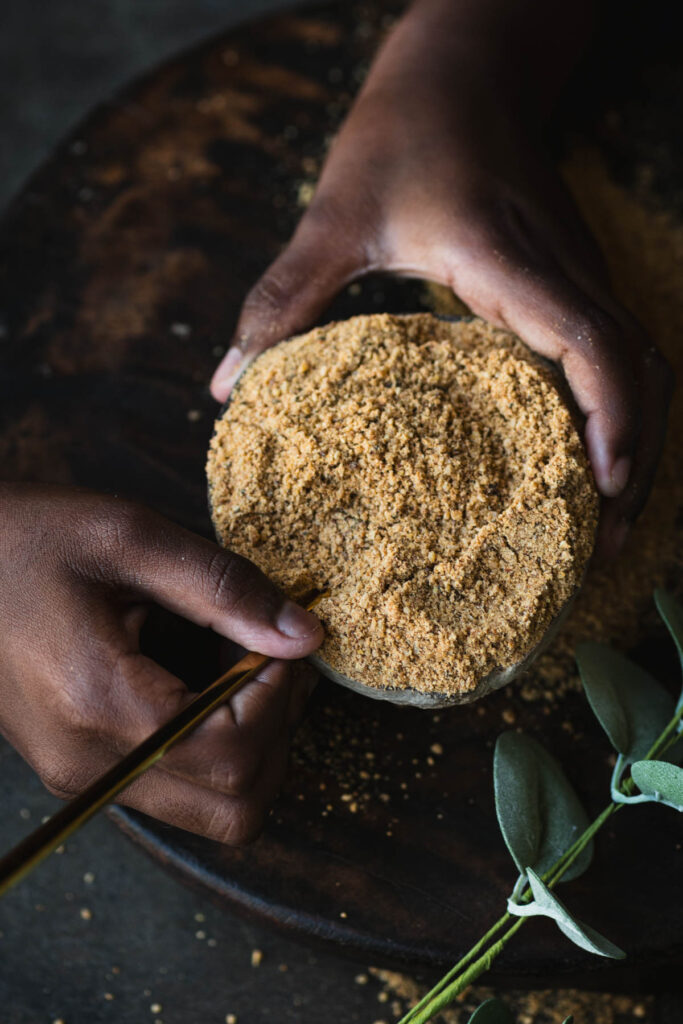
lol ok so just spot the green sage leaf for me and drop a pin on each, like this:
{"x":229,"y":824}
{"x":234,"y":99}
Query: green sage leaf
{"x":581,"y":934}
{"x":630,"y":705}
{"x":660,"y":777}
{"x":539,"y":814}
{"x":671,"y":612}
{"x":569,"y":1020}
{"x":491,"y":1012}
{"x":578,"y":932}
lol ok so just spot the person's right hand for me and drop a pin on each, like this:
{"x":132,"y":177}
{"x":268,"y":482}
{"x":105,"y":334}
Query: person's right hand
{"x":78,"y":571}
{"x":440,"y":172}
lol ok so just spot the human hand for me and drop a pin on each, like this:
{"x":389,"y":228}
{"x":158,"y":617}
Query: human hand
{"x":78,"y":572}
{"x":439,"y":174}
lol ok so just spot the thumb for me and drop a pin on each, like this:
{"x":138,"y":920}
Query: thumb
{"x":320,"y":259}
{"x":164,"y":563}
{"x":562,"y":323}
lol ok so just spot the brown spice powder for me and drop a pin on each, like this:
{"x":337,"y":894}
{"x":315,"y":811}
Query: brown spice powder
{"x":429,"y":474}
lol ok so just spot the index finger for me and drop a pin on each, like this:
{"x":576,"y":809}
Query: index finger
{"x":226,"y":752}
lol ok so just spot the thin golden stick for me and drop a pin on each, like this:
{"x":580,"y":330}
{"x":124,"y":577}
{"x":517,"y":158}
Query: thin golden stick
{"x":27,"y":854}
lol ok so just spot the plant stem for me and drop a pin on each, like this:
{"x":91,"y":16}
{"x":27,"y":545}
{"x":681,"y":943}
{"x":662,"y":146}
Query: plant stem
{"x":454,"y":983}
{"x":474,"y":971}
{"x":666,"y":739}
{"x":553,"y":876}
{"x":439,"y":987}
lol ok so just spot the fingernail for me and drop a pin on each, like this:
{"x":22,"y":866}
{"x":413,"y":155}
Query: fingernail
{"x":621,"y":471}
{"x":227,"y":373}
{"x":295,"y":622}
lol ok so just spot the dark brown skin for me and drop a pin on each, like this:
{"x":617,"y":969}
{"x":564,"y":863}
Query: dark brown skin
{"x":438,"y":172}
{"x":79,"y":570}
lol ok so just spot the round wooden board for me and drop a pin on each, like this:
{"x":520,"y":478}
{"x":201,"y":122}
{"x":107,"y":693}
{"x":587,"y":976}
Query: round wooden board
{"x":124,"y":263}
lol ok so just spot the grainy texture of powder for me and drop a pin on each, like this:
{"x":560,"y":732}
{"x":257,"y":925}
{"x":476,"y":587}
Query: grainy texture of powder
{"x":429,"y":474}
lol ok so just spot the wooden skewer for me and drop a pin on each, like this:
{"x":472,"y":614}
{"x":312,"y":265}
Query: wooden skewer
{"x":27,"y":854}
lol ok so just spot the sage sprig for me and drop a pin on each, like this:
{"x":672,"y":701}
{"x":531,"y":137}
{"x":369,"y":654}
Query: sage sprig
{"x":543,"y":823}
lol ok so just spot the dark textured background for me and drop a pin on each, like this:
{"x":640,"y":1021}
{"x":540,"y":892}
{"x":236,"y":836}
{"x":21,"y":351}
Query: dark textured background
{"x":58,"y":59}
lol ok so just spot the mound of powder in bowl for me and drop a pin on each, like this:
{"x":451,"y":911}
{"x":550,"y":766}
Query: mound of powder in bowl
{"x":429,"y":474}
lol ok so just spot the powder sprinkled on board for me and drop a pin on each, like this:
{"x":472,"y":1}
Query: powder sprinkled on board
{"x":550,"y":1006}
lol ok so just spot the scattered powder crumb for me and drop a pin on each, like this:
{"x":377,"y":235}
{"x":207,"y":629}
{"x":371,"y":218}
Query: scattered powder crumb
{"x":429,"y":474}
{"x":86,"y":913}
{"x":536,"y":1007}
{"x":212,"y":943}
{"x":109,"y":996}
{"x":179,"y":330}
{"x":25,"y":813}
{"x":309,"y":165}
{"x":200,"y":935}
{"x":436,"y":748}
{"x":305,"y":193}
{"x":89,"y":878}
{"x":256,"y":957}
{"x":199,"y":918}
{"x":194,"y":415}
{"x":230,"y":1018}
{"x":156,"y":1008}
{"x":361,"y":979}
